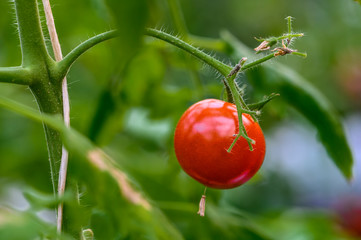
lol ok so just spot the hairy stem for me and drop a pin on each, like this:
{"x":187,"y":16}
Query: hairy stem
{"x":257,"y":62}
{"x":216,"y":64}
{"x":237,"y":101}
{"x":49,"y":101}
{"x":17,"y":75}
{"x":36,"y":60}
{"x":31,"y":37}
{"x":64,"y":65}
{"x":66,"y":107}
{"x":81,"y":147}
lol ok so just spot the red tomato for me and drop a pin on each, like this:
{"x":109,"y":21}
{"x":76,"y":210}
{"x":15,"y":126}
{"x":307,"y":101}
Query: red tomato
{"x":203,"y":135}
{"x":348,"y":210}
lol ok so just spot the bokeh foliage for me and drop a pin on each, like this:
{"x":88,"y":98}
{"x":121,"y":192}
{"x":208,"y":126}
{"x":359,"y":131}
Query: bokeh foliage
{"x":127,"y":95}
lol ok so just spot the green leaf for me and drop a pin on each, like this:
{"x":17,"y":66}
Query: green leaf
{"x":39,"y":200}
{"x":259,"y":105}
{"x":310,"y":224}
{"x":137,"y":88}
{"x":299,"y":93}
{"x":25,"y":225}
{"x":236,"y":224}
{"x":104,"y":110}
{"x":130,"y":18}
{"x":120,"y":199}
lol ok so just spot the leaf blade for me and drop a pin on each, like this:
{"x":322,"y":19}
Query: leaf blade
{"x":94,"y":168}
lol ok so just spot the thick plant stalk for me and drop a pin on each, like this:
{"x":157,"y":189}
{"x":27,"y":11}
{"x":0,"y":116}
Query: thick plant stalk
{"x":66,"y":107}
{"x":35,"y":72}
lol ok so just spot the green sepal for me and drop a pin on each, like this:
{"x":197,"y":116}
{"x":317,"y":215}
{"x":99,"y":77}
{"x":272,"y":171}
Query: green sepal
{"x":259,"y":105}
{"x":227,"y":94}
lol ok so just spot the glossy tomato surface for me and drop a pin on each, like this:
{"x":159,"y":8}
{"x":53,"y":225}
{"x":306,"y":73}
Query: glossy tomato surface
{"x":202,"y":136}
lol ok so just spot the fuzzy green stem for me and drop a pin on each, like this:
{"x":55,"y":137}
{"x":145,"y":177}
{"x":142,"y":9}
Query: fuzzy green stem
{"x":243,"y":103}
{"x":257,"y":62}
{"x":290,"y":35}
{"x":289,"y":24}
{"x":31,"y":37}
{"x":237,"y":100}
{"x":36,"y":60}
{"x":17,"y":75}
{"x":284,"y":36}
{"x":66,"y":109}
{"x":48,"y":98}
{"x":299,"y":54}
{"x":62,"y":67}
{"x":227,"y":95}
{"x":216,"y":64}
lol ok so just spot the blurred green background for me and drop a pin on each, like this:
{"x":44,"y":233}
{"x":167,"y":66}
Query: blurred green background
{"x":131,"y":109}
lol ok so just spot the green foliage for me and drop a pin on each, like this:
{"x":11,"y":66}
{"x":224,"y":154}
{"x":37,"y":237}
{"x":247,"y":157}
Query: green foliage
{"x":118,"y":201}
{"x":130,"y":18}
{"x":18,"y":226}
{"x":127,"y":95}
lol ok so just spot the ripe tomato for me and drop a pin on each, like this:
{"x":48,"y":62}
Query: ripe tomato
{"x":348,"y":211}
{"x":202,"y":136}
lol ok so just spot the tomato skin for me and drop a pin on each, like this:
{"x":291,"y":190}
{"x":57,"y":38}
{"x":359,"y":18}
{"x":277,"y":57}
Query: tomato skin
{"x":348,"y":212}
{"x":202,"y":136}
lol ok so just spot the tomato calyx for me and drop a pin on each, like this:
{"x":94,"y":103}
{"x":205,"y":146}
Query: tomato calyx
{"x":234,"y":94}
{"x":266,"y":99}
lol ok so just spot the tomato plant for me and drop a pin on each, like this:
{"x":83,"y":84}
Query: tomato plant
{"x":131,"y":96}
{"x":202,"y":137}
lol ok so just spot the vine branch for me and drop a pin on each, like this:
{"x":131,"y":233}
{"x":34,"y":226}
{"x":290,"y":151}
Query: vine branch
{"x":63,"y":66}
{"x":31,"y":37}
{"x":225,"y":70}
{"x":218,"y":65}
{"x":17,"y":75}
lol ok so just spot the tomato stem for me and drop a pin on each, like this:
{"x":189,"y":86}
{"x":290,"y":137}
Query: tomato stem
{"x":17,"y":75}
{"x":259,"y":105}
{"x":63,"y":66}
{"x":227,"y":95}
{"x":249,"y":140}
{"x":239,"y":102}
{"x":237,"y":95}
{"x":223,"y":68}
{"x":257,"y":62}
